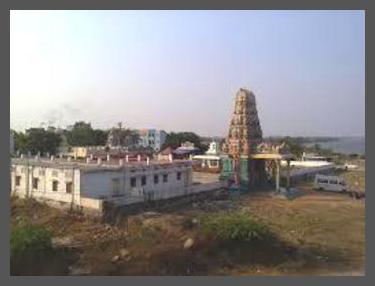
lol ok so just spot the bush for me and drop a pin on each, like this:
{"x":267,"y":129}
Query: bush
{"x":29,"y":241}
{"x":235,"y":226}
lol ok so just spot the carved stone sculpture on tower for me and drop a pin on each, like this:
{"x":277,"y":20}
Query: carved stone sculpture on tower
{"x":244,"y":126}
{"x":244,"y":135}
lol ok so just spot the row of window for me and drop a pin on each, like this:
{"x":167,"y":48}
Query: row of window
{"x":69,"y":185}
{"x":133,"y":180}
{"x":55,"y":184}
{"x":332,"y":182}
{"x":43,"y":173}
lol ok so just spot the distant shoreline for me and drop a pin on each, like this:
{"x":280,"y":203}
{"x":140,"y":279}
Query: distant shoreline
{"x":345,"y":145}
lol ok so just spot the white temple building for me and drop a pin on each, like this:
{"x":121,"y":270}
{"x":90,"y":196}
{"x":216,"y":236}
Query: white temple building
{"x":211,"y":159}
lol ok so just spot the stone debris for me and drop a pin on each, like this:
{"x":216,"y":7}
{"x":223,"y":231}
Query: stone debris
{"x":79,"y":270}
{"x":194,"y":221}
{"x":322,"y":258}
{"x":115,"y":258}
{"x":62,"y":242}
{"x":151,"y":214}
{"x":124,"y":253}
{"x":188,"y":243}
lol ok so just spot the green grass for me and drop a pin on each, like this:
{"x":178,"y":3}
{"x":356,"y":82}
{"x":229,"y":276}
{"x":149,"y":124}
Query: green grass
{"x":235,"y":226}
{"x":28,"y":240}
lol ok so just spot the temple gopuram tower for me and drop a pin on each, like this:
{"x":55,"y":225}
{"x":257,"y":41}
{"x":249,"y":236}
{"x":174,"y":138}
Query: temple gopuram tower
{"x":243,"y":138}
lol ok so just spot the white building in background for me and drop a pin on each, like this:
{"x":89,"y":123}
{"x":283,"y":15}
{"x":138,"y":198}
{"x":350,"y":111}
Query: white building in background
{"x":211,"y":159}
{"x":213,"y":149}
{"x":87,"y":186}
{"x":310,"y":161}
{"x":152,"y":138}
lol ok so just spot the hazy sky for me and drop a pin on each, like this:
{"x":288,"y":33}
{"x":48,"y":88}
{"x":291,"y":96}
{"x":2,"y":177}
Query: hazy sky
{"x":179,"y":70}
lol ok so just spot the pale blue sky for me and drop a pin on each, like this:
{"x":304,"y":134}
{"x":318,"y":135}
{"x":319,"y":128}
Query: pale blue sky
{"x":179,"y":70}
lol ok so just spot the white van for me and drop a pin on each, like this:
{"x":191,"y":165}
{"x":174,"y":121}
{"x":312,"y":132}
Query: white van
{"x":329,"y":183}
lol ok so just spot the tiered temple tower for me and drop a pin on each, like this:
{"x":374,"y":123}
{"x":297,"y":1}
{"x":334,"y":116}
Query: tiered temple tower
{"x":243,"y":138}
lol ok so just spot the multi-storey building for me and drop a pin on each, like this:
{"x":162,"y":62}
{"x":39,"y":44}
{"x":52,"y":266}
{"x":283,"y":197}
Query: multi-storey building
{"x":152,"y":138}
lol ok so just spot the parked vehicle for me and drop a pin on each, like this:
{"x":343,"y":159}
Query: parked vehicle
{"x":329,"y":183}
{"x":348,"y":166}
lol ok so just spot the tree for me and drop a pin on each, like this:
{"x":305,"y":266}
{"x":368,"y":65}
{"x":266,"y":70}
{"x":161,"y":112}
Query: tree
{"x":317,"y":148}
{"x":122,"y":136}
{"x":132,"y":138}
{"x":175,"y":140}
{"x":295,"y":146}
{"x":21,"y":142}
{"x":36,"y":140}
{"x":41,"y":140}
{"x":100,"y":137}
{"x":81,"y":134}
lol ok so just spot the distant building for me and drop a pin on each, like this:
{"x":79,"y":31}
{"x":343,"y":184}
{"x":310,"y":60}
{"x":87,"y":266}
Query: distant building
{"x":210,"y":161}
{"x":107,"y":153}
{"x":185,"y":151}
{"x":84,"y":151}
{"x":166,"y":154}
{"x":213,"y":149}
{"x":152,"y":138}
{"x":315,"y":157}
{"x":311,"y":161}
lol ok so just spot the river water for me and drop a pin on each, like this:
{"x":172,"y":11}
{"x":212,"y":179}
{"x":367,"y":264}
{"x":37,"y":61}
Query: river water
{"x":346,"y":145}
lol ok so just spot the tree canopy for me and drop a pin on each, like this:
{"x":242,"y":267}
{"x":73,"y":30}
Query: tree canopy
{"x":294,"y":143}
{"x":81,"y":134}
{"x":50,"y":139}
{"x":175,"y":140}
{"x":36,"y":140}
{"x":121,"y":136}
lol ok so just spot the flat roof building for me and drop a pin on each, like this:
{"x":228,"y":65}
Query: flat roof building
{"x":87,"y":184}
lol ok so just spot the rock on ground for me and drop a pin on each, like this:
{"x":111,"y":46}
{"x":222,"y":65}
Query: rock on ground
{"x":188,"y":243}
{"x":124,"y":252}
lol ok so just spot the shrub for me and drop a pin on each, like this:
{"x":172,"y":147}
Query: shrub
{"x":28,"y":241}
{"x":236,"y":226}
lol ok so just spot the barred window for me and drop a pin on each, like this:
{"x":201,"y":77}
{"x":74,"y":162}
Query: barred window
{"x":165,"y":178}
{"x":156,"y":179}
{"x":68,"y":187}
{"x":35,"y":183}
{"x":18,"y":181}
{"x":133,"y":182}
{"x":55,"y":186}
{"x":143,"y":180}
